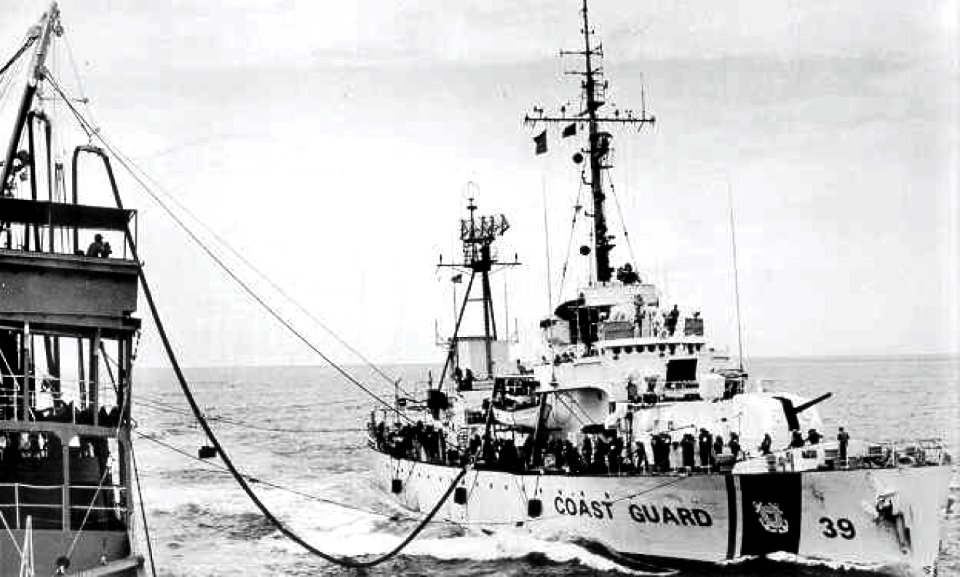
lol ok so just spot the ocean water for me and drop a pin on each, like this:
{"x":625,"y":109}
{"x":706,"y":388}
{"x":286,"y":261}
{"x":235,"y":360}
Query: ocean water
{"x":300,"y":432}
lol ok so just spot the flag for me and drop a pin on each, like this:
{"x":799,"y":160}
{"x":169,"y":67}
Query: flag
{"x":458,"y":278}
{"x":540,"y":141}
{"x":570,"y":130}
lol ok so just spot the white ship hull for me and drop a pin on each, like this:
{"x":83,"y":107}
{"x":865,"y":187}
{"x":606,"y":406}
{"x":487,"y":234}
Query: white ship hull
{"x":828,"y":515}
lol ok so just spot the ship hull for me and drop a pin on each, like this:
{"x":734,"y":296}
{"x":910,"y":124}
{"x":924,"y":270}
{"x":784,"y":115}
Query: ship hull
{"x":101,"y":553}
{"x":827,"y":515}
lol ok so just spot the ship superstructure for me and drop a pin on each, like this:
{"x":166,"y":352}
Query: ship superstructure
{"x":632,"y":431}
{"x":67,"y":342}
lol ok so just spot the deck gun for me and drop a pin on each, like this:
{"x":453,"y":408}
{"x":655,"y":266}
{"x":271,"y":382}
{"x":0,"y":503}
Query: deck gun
{"x":791,"y":412}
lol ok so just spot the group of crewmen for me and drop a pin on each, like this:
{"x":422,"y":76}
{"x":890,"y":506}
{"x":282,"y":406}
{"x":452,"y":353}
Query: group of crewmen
{"x":813,"y":438}
{"x":667,"y":454}
{"x":419,"y":442}
{"x":604,"y":453}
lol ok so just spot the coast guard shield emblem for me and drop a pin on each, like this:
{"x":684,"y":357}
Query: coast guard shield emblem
{"x":770,"y":517}
{"x":770,"y":513}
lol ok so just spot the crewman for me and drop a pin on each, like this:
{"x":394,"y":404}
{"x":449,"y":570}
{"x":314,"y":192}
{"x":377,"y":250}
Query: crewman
{"x":587,"y":451}
{"x":640,"y":455}
{"x":843,"y":438}
{"x":734,"y":445}
{"x":671,"y":321}
{"x":458,"y":376}
{"x":796,"y":440}
{"x":717,"y":448}
{"x":688,"y":444}
{"x":96,"y":247}
{"x":601,"y":451}
{"x":704,"y":446}
{"x":616,"y":454}
{"x":766,"y":444}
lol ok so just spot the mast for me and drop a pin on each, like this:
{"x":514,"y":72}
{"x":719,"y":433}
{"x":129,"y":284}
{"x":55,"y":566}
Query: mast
{"x":599,"y":141}
{"x":597,"y":153}
{"x":49,"y":24}
{"x":477,"y":234}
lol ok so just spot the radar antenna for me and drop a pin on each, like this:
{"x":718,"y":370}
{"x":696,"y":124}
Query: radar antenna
{"x":478,"y":233}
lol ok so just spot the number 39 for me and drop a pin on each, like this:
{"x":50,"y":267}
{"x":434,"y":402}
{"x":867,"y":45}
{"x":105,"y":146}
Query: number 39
{"x":844,"y":525}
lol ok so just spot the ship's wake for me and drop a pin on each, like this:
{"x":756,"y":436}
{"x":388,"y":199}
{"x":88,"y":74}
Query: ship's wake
{"x":360,"y":534}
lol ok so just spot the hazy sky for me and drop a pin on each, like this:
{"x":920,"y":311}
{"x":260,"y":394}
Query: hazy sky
{"x":330,"y":143}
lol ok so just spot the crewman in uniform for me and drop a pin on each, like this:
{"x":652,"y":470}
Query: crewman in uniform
{"x":843,"y":438}
{"x":704,"y":446}
{"x":766,"y":444}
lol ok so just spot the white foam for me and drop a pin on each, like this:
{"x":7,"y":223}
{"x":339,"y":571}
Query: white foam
{"x":349,"y":533}
{"x":834,"y":565}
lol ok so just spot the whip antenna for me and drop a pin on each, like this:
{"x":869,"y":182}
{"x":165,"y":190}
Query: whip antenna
{"x":736,"y":274}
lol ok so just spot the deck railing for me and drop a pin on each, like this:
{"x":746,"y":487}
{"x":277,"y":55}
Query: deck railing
{"x":52,"y":399}
{"x":18,"y":519}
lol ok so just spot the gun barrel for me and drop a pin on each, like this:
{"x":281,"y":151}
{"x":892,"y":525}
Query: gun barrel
{"x":809,"y":404}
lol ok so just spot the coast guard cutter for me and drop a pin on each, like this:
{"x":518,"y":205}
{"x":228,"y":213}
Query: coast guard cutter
{"x":631,"y":431}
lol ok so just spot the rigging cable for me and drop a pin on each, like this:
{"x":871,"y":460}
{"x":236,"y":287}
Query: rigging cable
{"x":93,"y":132}
{"x":216,"y":468}
{"x":141,"y":177}
{"x":623,"y":224}
{"x":573,"y":227}
{"x":201,"y":419}
{"x":18,"y":54}
{"x":242,"y":424}
{"x":736,"y":273}
{"x":143,"y":512}
{"x":238,"y":477}
{"x":103,"y":479}
{"x":222,"y":242}
{"x":546,"y":240}
{"x":222,"y":469}
{"x":456,"y":331}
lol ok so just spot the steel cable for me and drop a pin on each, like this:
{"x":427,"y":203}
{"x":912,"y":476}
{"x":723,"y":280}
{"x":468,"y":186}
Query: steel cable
{"x":237,"y":475}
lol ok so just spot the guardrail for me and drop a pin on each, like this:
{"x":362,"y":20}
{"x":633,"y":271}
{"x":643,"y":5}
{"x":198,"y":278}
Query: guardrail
{"x":56,"y":502}
{"x":63,"y":400}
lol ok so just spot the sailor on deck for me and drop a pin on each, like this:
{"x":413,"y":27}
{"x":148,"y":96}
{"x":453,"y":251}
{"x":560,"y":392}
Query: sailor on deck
{"x":766,"y":444}
{"x":796,"y":441}
{"x":671,"y":322}
{"x":843,"y":438}
{"x":704,"y":446}
{"x":96,"y":247}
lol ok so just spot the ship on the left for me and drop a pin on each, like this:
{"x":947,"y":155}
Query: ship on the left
{"x":68,"y":338}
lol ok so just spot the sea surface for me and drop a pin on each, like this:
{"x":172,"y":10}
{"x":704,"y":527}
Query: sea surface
{"x":300,"y":432}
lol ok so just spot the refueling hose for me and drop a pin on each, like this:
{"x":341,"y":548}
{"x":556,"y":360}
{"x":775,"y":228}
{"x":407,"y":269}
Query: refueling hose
{"x":237,"y":476}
